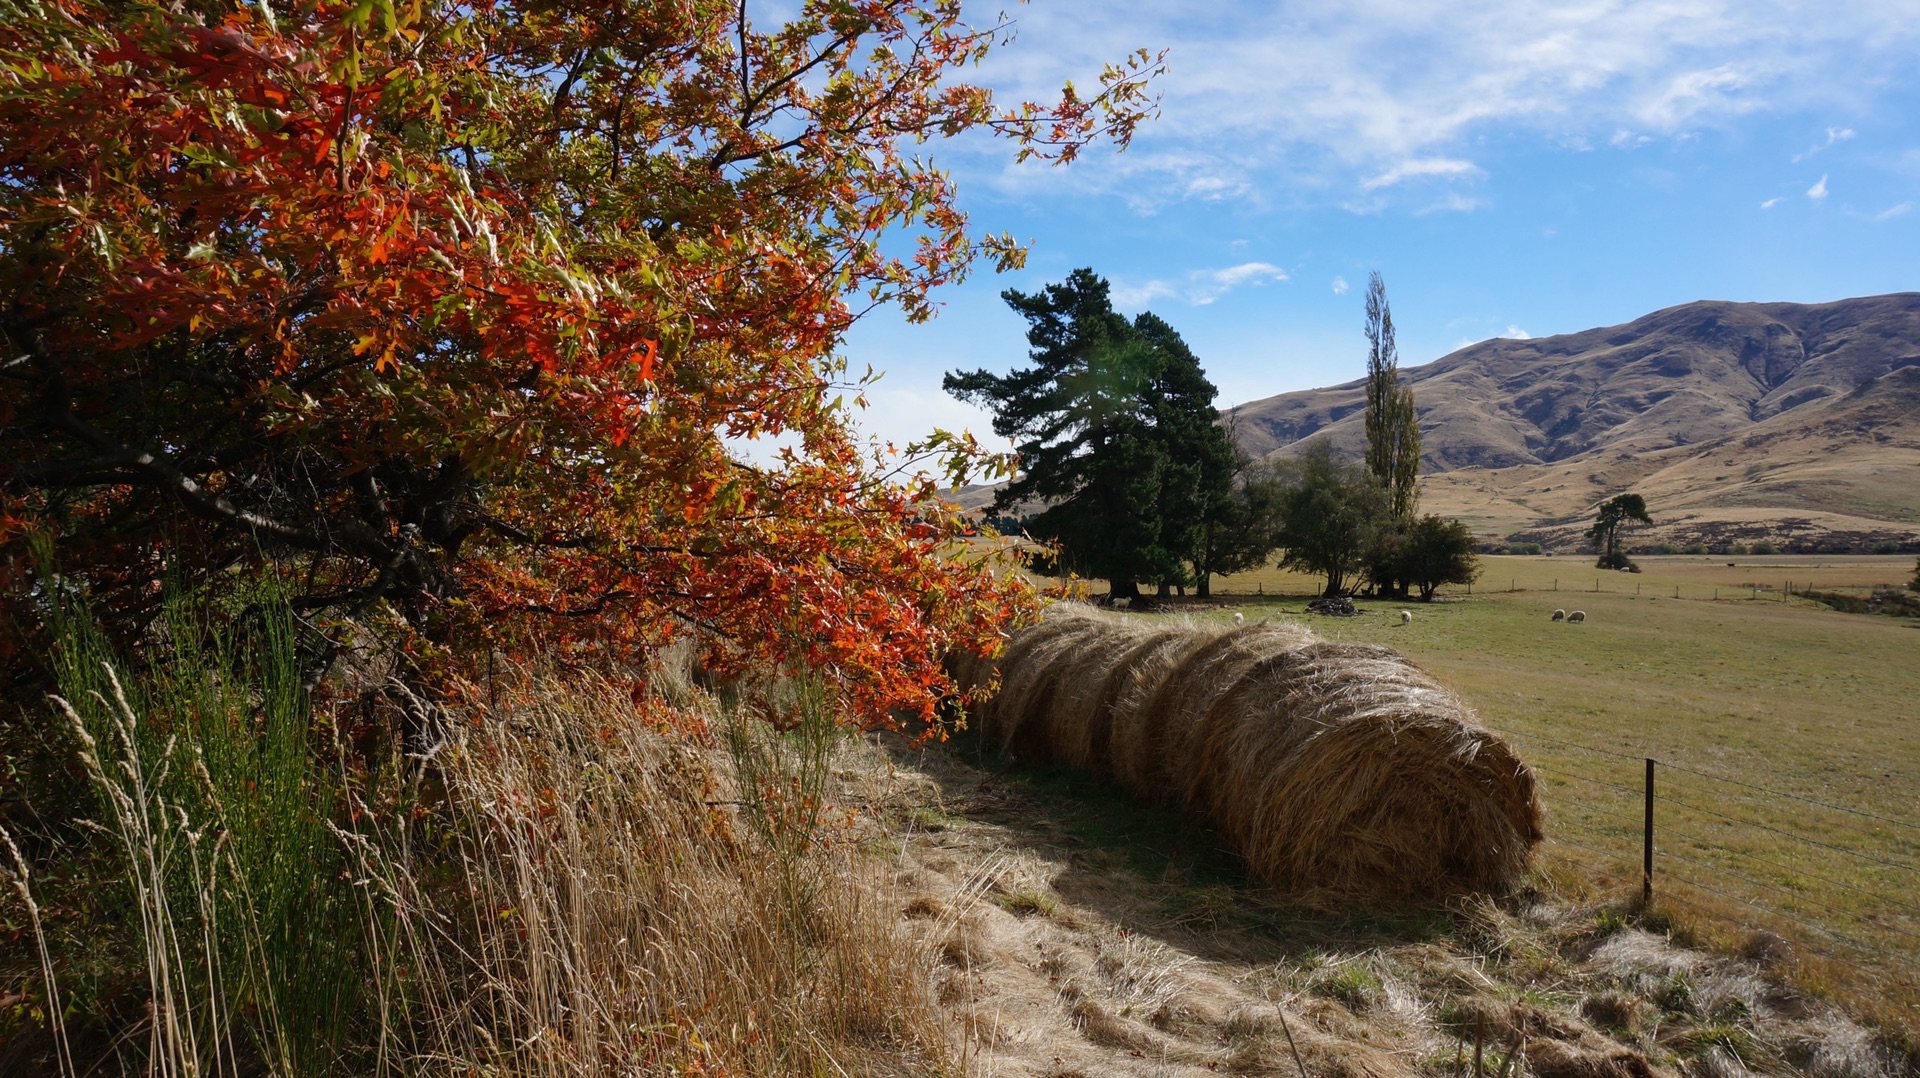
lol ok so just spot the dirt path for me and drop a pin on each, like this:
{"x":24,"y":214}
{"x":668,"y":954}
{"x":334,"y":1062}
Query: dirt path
{"x":1081,"y":933}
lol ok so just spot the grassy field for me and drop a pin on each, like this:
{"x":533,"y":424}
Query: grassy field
{"x":1792,"y":702}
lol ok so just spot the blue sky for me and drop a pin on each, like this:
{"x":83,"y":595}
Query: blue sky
{"x":1512,"y":168}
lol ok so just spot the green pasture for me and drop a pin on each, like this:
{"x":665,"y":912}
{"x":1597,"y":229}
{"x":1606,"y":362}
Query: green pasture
{"x":1788,"y":696}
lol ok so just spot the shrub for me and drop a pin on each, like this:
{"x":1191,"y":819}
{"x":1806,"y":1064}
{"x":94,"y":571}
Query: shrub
{"x":1694,"y":548}
{"x":1764,"y":546}
{"x":1525,"y":548}
{"x":1739,"y":548}
{"x":1887,"y":546}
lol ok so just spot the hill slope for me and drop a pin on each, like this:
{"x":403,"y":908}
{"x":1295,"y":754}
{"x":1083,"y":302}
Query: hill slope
{"x":1740,"y":420}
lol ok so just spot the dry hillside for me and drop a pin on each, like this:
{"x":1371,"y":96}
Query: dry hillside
{"x":1738,"y":420}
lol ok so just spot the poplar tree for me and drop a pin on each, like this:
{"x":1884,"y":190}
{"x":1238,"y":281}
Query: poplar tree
{"x":1393,"y":428}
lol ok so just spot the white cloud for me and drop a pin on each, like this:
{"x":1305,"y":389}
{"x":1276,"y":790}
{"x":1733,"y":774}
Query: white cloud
{"x":1322,"y":100}
{"x":1135,"y":296}
{"x":1442,"y":167}
{"x":1891,"y":212}
{"x":1339,"y":286}
{"x":1818,"y":192}
{"x":1454,"y":202}
{"x":1201,"y":287}
{"x":1515,"y":333}
{"x":1771,"y":203}
{"x":1834,"y":134}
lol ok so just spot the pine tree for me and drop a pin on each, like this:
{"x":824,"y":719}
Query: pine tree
{"x":1117,"y":436}
{"x":1393,"y":426}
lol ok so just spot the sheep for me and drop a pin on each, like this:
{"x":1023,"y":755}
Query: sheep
{"x":1578,"y":615}
{"x":1406,"y":617}
{"x":1239,"y":618}
{"x":1559,"y":615}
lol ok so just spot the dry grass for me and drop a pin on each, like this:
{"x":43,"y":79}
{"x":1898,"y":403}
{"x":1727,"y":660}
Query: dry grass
{"x":1331,"y":768}
{"x":607,"y":913}
{"x":566,"y":885}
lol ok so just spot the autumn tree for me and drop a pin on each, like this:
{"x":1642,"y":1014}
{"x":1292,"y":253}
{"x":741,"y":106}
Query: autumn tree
{"x":457,"y":312}
{"x":1116,"y":431}
{"x":1393,"y":427}
{"x":1614,"y":514}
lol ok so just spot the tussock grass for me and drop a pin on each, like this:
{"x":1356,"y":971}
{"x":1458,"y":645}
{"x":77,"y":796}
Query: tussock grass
{"x":1334,"y":768}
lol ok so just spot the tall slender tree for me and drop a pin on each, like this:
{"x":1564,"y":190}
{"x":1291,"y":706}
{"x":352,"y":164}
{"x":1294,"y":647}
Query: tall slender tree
{"x":1393,"y":427}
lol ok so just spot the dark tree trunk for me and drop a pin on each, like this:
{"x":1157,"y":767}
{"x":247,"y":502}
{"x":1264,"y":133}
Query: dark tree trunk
{"x":1204,"y":588}
{"x":1125,"y":589}
{"x":1165,"y":591}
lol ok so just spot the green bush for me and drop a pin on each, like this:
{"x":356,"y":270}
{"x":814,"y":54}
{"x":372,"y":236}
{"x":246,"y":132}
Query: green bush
{"x":1764,"y":547}
{"x":1887,"y":546}
{"x":1694,"y":548}
{"x":1525,"y":548}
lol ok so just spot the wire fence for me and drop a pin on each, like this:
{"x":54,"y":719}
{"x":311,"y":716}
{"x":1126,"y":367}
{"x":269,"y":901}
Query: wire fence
{"x":1838,"y":880}
{"x":1780,"y":591}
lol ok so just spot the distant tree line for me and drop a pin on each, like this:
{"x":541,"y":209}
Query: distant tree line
{"x":1142,"y":484}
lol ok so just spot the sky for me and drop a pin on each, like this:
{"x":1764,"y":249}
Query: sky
{"x":1512,"y":168}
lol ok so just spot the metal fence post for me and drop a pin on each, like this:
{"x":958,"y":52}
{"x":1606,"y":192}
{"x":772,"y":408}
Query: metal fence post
{"x":1646,"y":849}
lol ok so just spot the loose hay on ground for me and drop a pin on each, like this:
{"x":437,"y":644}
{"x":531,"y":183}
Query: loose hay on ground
{"x":1339,"y":768}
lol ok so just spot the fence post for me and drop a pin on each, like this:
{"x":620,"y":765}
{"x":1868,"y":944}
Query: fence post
{"x":1646,"y":848}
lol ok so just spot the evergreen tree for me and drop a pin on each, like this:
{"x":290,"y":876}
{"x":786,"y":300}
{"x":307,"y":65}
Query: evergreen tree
{"x":1393,"y":427}
{"x":1117,"y":435}
{"x":1434,"y":551}
{"x":1196,"y":459}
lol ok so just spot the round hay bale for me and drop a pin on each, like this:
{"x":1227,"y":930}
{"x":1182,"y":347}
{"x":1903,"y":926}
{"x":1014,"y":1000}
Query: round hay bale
{"x":1030,"y":674}
{"x":1347,"y":769}
{"x":1337,"y":768}
{"x":1134,"y":684}
{"x":1076,"y":729}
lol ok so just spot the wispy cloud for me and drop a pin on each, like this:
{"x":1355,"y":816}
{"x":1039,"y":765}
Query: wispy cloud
{"x":1834,"y":135}
{"x":1293,"y":95}
{"x":1771,"y":203}
{"x":1200,"y":287}
{"x":1818,"y":192}
{"x":1891,"y":212}
{"x":1441,"y":167}
{"x":1339,"y":286}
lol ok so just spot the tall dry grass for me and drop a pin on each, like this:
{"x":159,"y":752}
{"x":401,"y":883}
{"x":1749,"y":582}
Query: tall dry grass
{"x":1335,"y":768}
{"x":609,"y":901}
{"x":570,"y":882}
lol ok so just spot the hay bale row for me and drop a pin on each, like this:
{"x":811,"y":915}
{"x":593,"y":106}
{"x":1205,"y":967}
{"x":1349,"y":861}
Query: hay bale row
{"x":1335,"y":768}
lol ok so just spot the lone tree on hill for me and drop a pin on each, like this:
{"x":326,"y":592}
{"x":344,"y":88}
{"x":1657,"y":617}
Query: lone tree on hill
{"x":1616,"y":513}
{"x":1393,"y":428}
{"x":1117,"y":434}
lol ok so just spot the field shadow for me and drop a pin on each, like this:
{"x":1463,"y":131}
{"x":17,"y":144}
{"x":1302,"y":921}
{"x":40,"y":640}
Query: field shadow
{"x":1151,"y":871}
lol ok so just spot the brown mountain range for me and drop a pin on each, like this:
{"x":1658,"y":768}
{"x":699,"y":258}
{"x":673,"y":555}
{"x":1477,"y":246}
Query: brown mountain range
{"x":1796,"y":423}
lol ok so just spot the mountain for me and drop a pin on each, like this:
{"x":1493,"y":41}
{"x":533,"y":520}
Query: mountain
{"x":1792,"y":422}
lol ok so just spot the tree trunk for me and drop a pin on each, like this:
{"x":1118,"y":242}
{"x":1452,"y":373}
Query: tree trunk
{"x":1204,"y":589}
{"x":1124,"y":589}
{"x":1165,"y":591}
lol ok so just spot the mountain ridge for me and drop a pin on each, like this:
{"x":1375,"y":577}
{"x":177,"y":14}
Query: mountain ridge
{"x":1735,"y":416}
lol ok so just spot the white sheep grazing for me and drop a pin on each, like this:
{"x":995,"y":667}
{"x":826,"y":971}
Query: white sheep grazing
{"x":1578,"y":615}
{"x":1559,"y":615}
{"x":1406,"y":617}
{"x":1239,"y":618}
